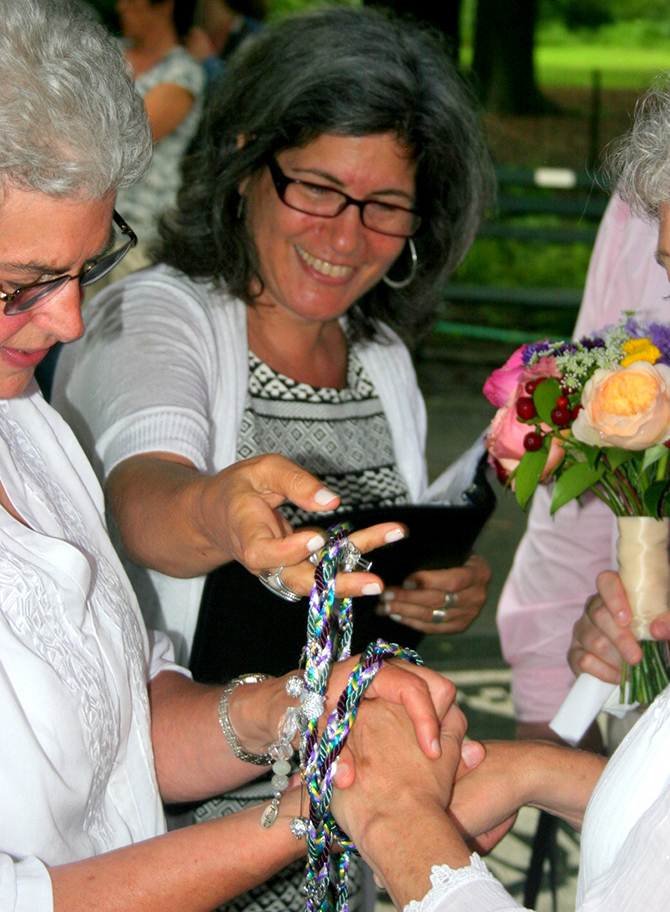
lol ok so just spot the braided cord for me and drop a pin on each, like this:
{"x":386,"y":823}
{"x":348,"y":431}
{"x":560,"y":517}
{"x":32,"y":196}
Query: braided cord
{"x":329,"y":631}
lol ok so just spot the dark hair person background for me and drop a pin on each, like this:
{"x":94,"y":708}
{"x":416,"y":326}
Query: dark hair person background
{"x":342,"y":177}
{"x":99,"y":724}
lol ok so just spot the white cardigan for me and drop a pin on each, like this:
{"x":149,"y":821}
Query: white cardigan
{"x":163,"y":367}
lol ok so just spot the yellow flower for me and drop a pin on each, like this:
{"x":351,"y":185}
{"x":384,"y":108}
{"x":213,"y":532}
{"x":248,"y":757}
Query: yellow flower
{"x":640,"y":350}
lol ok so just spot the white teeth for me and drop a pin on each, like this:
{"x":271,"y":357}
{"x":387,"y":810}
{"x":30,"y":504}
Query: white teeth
{"x":322,"y":266}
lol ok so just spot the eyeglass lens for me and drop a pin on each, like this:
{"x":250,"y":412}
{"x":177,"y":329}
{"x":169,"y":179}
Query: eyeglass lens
{"x":34,"y":294}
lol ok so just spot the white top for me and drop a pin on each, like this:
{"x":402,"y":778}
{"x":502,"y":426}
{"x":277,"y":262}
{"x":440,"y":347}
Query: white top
{"x":559,"y":558}
{"x":76,"y":762}
{"x":163,"y":366}
{"x":625,"y":845}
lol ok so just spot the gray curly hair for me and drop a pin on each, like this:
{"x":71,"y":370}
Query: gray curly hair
{"x":639,"y":162}
{"x":71,"y":121}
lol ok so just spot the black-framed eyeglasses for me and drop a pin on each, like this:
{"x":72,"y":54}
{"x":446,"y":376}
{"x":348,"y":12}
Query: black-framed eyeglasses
{"x":326,"y":202}
{"x":28,"y":296}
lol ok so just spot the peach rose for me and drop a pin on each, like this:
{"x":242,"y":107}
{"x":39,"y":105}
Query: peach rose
{"x":627,"y":408}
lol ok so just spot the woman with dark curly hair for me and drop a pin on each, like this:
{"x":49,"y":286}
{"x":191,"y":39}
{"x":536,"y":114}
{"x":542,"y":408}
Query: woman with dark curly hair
{"x":341,"y":178}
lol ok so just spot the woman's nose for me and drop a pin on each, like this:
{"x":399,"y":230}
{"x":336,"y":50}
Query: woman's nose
{"x":346,"y":230}
{"x":61,"y":314}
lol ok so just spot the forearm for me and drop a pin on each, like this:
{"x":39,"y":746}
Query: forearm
{"x":156,"y":504}
{"x":424,"y":836}
{"x":192,"y":757}
{"x":518,"y":773}
{"x":194,"y":869}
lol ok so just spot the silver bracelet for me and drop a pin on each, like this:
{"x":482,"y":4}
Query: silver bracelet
{"x":229,"y":732}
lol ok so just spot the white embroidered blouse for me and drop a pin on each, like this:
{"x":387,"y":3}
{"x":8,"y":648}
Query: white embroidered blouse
{"x":76,"y":763}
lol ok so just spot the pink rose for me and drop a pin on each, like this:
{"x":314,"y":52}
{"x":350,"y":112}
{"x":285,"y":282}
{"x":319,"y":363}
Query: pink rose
{"x":504,"y":441}
{"x":503,"y":382}
{"x":627,"y":408}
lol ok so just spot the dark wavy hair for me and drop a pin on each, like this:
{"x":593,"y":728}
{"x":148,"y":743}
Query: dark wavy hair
{"x":350,"y":72}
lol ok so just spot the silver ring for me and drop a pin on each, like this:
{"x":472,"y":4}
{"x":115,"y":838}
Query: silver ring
{"x":350,"y":558}
{"x":438,"y":616}
{"x":450,"y":600}
{"x":272,"y":580}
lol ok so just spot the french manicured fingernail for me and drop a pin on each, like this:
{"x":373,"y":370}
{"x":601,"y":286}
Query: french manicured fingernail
{"x":316,"y":542}
{"x":394,"y":535}
{"x":371,"y":589}
{"x":324,"y":496}
{"x":387,"y":595}
{"x":396,"y":617}
{"x":409,"y":584}
{"x":436,"y":747}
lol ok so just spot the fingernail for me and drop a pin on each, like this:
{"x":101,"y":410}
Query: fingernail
{"x":371,"y":589}
{"x":394,"y":535}
{"x":435,"y":745}
{"x":316,"y":543}
{"x":387,"y":595}
{"x":324,"y":496}
{"x":396,"y":617}
{"x":662,"y":630}
{"x":622,"y":617}
{"x":469,"y":753}
{"x":409,"y":584}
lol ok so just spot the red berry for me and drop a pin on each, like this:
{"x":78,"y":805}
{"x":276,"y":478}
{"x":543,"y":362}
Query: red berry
{"x":532,"y":441}
{"x":525,"y":408}
{"x":576,"y":410}
{"x":562,"y":402}
{"x":531,"y":386}
{"x":561,"y":417}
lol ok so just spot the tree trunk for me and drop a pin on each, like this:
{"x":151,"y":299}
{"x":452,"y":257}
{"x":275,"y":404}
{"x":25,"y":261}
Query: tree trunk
{"x":503,"y":66}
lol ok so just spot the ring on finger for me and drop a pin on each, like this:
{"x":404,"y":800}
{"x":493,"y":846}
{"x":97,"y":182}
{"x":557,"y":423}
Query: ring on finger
{"x":272,"y":580}
{"x":449,"y":600}
{"x":438,"y":615}
{"x":350,"y":558}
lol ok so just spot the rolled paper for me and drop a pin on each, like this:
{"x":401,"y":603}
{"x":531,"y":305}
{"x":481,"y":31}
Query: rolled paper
{"x":587,"y":697}
{"x":642,"y":554}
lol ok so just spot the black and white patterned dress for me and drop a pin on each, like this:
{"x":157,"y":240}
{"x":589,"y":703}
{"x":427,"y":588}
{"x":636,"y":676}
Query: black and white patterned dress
{"x":344,"y":438}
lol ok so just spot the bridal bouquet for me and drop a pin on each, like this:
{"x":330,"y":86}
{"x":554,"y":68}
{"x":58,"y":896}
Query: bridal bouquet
{"x":594,"y":415}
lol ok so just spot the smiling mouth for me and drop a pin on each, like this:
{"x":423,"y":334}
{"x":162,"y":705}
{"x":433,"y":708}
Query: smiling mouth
{"x":323,"y":266}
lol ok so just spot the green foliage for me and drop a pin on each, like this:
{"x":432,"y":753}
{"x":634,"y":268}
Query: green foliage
{"x":545,"y":396}
{"x":528,"y":473}
{"x":574,"y":482}
{"x":514,"y":262}
{"x":280,"y":8}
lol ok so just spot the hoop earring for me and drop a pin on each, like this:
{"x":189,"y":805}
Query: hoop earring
{"x":404,"y":282}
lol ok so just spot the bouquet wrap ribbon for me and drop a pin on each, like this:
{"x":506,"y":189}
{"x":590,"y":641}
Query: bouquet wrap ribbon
{"x":642,"y":553}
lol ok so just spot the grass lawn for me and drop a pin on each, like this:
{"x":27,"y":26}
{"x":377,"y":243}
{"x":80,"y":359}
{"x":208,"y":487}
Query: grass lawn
{"x":620,"y":67}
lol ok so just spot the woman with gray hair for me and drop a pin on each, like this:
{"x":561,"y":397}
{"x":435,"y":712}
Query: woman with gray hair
{"x":99,"y":724}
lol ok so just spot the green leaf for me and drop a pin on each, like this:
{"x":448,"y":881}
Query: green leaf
{"x":545,"y":396}
{"x":653,"y":454}
{"x":616,"y":456}
{"x":573,"y":482}
{"x":527,"y":475}
{"x":653,"y":499}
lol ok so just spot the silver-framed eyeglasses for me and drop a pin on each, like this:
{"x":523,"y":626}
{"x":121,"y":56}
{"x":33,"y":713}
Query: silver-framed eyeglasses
{"x":28,"y":296}
{"x":326,"y":202}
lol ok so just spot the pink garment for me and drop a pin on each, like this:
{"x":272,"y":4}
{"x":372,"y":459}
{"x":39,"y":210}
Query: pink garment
{"x":558,"y":558}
